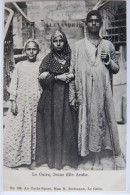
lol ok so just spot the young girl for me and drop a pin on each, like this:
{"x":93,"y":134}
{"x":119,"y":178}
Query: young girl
{"x":20,"y":131}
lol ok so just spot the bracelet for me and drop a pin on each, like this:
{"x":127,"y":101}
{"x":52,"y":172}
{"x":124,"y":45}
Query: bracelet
{"x":56,"y":78}
{"x":107,"y":63}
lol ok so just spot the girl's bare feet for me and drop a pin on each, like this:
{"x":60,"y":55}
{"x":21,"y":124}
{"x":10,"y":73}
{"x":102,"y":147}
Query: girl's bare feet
{"x":32,"y":166}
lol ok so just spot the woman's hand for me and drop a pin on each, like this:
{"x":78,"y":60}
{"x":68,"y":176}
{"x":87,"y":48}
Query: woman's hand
{"x":62,"y":77}
{"x":66,"y":77}
{"x":70,"y":76}
{"x":14,"y":108}
{"x":43,"y":75}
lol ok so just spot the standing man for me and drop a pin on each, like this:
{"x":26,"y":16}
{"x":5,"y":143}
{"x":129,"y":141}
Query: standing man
{"x":92,"y":63}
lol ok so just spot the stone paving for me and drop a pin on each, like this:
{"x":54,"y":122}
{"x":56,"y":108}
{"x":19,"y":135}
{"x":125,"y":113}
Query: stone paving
{"x":107,"y":161}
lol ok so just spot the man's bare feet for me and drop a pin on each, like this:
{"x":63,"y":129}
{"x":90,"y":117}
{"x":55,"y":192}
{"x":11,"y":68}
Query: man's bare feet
{"x":120,"y":162}
{"x":97,"y":164}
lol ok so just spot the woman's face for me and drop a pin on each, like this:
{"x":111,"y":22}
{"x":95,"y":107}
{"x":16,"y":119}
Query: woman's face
{"x":58,"y":43}
{"x":31,"y":51}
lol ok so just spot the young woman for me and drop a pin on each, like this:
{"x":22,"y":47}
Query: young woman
{"x":56,"y":122}
{"x":20,"y":129}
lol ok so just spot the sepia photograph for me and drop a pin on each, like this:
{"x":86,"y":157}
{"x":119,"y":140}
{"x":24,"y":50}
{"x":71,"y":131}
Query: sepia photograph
{"x":65,"y":96}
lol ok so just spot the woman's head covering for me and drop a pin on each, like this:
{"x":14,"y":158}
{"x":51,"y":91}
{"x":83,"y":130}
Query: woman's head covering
{"x":94,"y":13}
{"x":52,"y":61}
{"x":66,"y":51}
{"x":31,"y":40}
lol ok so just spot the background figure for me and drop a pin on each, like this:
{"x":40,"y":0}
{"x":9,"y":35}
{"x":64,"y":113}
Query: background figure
{"x":56,"y":122}
{"x":93,"y":61}
{"x":20,"y":130}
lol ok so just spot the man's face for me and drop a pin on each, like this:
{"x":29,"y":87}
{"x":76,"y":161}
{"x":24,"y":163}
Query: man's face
{"x":94,"y":24}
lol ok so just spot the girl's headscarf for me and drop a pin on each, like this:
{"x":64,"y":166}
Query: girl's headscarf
{"x":31,"y":40}
{"x":65,"y":51}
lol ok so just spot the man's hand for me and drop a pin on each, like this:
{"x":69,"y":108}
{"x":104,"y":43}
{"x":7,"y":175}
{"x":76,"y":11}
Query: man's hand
{"x":105,"y":57}
{"x":74,"y":104}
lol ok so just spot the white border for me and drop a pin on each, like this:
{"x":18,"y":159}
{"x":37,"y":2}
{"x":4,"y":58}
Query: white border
{"x":1,"y":92}
{"x":128,"y":96}
{"x":1,"y":114}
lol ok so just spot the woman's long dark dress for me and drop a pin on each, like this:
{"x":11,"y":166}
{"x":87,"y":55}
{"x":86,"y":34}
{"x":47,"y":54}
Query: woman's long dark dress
{"x":56,"y":121}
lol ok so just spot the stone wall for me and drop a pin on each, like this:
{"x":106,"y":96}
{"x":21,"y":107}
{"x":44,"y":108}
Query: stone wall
{"x":67,"y":15}
{"x":120,"y":86}
{"x":51,"y":15}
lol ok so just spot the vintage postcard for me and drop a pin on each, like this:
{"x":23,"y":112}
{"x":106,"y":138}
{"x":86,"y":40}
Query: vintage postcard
{"x":65,"y":96}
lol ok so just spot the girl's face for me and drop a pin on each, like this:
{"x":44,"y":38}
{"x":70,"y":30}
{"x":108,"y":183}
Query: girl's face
{"x":58,"y":43}
{"x":31,"y":51}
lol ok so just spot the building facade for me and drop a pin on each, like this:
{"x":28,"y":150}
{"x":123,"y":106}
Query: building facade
{"x":39,"y":19}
